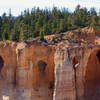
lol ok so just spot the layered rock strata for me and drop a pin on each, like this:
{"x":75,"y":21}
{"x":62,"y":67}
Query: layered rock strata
{"x":77,"y":72}
{"x":34,"y":71}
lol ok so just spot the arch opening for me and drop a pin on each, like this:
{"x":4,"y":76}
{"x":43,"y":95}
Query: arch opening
{"x":43,"y":81}
{"x":1,"y":63}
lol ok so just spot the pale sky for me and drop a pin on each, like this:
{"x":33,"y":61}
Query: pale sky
{"x":20,"y":5}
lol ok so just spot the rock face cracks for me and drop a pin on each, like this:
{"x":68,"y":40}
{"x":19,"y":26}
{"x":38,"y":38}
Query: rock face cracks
{"x":77,"y":73}
{"x":33,"y":71}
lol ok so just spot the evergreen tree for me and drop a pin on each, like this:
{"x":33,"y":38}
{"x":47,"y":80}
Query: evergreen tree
{"x":42,"y":34}
{"x":40,"y":22}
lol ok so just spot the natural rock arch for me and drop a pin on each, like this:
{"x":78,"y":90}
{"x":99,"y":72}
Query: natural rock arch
{"x":92,"y":77}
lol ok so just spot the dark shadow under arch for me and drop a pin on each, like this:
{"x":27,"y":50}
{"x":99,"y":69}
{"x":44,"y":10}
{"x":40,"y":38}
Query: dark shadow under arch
{"x":98,"y":55}
{"x":1,"y":63}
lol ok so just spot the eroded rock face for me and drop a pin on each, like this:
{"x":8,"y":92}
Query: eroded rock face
{"x":64,"y":76}
{"x":8,"y":65}
{"x":8,"y":62}
{"x":77,"y":73}
{"x":34,"y":71}
{"x":26,"y":71}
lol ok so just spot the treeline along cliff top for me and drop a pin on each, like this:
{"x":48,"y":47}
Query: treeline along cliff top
{"x":40,"y":22}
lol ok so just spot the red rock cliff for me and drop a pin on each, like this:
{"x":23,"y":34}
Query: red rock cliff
{"x":77,"y":72}
{"x":37,"y":71}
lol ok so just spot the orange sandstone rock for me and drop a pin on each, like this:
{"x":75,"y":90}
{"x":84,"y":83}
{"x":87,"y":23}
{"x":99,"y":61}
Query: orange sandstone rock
{"x":63,"y":71}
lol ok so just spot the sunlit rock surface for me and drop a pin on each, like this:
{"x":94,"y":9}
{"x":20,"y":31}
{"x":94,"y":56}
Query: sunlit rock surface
{"x":34,"y":70}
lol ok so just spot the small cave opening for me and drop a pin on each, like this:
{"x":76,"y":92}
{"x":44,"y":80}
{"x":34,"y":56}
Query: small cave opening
{"x":98,"y":55}
{"x":42,"y":66}
{"x":75,"y":62}
{"x":1,"y":63}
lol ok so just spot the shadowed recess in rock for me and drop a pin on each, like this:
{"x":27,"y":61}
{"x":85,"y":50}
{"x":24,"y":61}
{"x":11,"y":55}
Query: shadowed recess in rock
{"x":75,"y":62}
{"x":98,"y":55}
{"x":42,"y":66}
{"x":1,"y":63}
